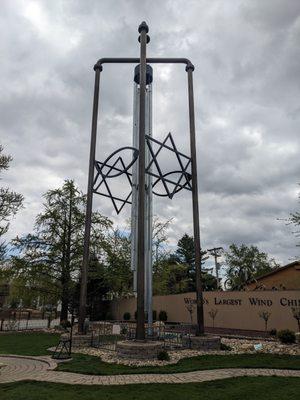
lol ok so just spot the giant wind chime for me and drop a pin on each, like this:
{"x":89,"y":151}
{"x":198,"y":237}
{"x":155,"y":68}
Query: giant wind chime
{"x":144,"y":175}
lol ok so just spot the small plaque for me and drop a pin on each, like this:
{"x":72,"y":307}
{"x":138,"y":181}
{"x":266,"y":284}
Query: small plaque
{"x":116,"y":330}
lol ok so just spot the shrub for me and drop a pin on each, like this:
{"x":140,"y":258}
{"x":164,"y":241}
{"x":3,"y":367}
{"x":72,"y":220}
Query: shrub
{"x":124,"y":330}
{"x":225,"y":347}
{"x":286,"y":336}
{"x":126,"y":316}
{"x":163,"y":355}
{"x":65,"y":324}
{"x":135,"y":315}
{"x":163,"y":316}
{"x":273,"y":332}
{"x":154,"y":315}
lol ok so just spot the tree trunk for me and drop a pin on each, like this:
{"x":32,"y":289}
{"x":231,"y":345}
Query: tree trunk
{"x":64,"y":300}
{"x":66,"y":278}
{"x":64,"y":282}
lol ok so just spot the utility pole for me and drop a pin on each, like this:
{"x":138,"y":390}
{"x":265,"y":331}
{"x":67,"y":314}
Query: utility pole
{"x":216,"y":252}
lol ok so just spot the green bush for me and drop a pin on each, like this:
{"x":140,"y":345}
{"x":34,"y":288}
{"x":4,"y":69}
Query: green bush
{"x":154,"y":315}
{"x":225,"y":347}
{"x":273,"y":332}
{"x":163,"y":355}
{"x":124,"y":330}
{"x":286,"y":336}
{"x":163,"y":316}
{"x":126,"y":316}
{"x":65,"y":324}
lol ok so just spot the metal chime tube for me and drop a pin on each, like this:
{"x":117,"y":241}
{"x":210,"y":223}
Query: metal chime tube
{"x":148,"y":195}
{"x":149,"y":217}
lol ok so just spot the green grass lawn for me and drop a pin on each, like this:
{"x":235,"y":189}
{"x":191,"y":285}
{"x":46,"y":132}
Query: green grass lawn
{"x":246,"y":388}
{"x":93,"y":365}
{"x":27,"y":343}
{"x":37,"y":344}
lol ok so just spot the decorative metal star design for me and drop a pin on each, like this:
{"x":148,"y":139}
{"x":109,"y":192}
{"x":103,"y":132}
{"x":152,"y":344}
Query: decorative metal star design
{"x":119,"y":167}
{"x":165,"y":178}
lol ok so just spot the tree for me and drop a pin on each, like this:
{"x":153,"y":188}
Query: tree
{"x":245,"y":263}
{"x":159,"y":239}
{"x":209,"y":282}
{"x":186,"y":250}
{"x":10,"y":203}
{"x":51,"y":257}
{"x":294,"y":219}
{"x":185,"y":253}
{"x":176,"y":274}
{"x":117,"y":259}
{"x":170,"y":278}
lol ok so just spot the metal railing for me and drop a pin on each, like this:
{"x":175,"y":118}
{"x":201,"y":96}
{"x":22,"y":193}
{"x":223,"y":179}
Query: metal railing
{"x":104,"y":338}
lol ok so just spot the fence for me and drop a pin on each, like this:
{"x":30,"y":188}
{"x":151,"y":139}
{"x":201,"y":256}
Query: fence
{"x":12,"y":324}
{"x":27,"y":319}
{"x":103,"y":337}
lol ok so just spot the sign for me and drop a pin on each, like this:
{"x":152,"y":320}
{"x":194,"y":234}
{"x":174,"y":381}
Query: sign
{"x":116,"y":329}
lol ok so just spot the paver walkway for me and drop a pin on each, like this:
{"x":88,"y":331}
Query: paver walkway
{"x":17,"y":368}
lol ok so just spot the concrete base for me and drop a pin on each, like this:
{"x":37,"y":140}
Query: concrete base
{"x":139,"y":350}
{"x":205,"y":342}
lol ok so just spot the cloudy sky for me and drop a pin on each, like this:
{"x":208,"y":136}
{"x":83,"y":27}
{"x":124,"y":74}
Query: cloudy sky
{"x":247,"y":82}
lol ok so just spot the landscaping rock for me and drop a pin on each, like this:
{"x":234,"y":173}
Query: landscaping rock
{"x":238,"y":346}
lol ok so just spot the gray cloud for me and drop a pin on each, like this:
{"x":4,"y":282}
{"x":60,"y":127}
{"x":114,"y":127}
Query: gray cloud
{"x":247,"y":86}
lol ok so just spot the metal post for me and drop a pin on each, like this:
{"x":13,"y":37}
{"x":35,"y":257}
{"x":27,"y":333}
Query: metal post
{"x":140,"y":325}
{"x":199,"y":294}
{"x":149,"y":216}
{"x":134,"y":201}
{"x":89,"y":205}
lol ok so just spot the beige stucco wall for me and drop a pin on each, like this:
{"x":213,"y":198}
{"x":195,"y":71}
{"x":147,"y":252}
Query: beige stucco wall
{"x":236,"y":310}
{"x":289,"y":278}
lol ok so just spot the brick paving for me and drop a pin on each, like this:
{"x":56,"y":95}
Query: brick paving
{"x":17,"y":368}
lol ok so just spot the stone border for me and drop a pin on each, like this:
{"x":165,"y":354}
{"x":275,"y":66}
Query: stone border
{"x":138,"y":350}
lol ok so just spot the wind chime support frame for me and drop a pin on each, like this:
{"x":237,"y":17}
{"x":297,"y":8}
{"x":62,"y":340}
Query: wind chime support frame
{"x":140,"y":332}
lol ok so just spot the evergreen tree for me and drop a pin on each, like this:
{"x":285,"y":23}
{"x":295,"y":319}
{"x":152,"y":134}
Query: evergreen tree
{"x":176,"y":274}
